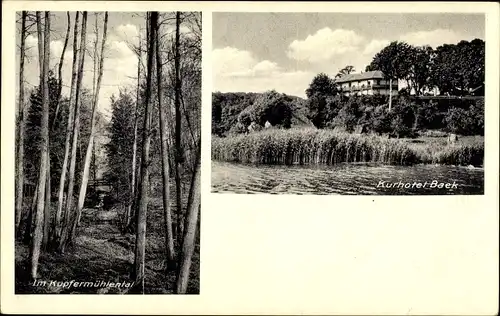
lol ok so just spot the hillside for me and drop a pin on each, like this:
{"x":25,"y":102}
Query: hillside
{"x":227,"y":107}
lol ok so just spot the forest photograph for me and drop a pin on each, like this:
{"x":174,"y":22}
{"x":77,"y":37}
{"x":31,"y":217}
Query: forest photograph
{"x":108,"y":122}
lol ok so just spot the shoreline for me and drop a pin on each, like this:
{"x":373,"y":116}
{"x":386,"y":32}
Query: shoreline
{"x":365,"y":164}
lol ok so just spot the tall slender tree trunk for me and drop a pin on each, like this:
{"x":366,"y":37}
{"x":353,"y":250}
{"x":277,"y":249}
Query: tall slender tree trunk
{"x":76,"y":127}
{"x":21,"y":128}
{"x":29,"y":219}
{"x":390,"y":94}
{"x":188,"y":243}
{"x":94,"y":84}
{"x":178,"y":128}
{"x":38,"y":233}
{"x":69,"y":130}
{"x":59,"y":72}
{"x":47,"y":210}
{"x":169,"y":237}
{"x":94,"y":168}
{"x":140,"y":243}
{"x":133,"y":183}
{"x":95,"y":57}
{"x":88,"y":155}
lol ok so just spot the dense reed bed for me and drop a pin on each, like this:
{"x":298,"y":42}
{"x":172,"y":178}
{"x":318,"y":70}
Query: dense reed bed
{"x":310,"y":146}
{"x":459,"y":155}
{"x":316,"y":146}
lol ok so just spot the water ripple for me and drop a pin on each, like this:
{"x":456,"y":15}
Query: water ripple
{"x":345,"y":179}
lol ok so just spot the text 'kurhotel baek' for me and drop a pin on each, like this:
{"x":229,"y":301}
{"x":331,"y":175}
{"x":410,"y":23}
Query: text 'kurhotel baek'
{"x":418,"y":185}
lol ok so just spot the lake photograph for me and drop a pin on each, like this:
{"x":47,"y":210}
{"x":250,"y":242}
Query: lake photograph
{"x":348,"y":103}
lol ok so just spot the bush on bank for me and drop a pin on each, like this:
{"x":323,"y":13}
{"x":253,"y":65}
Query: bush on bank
{"x":232,"y":113}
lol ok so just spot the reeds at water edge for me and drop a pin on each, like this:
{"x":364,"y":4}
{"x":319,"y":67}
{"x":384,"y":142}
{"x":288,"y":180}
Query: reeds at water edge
{"x":316,"y":146}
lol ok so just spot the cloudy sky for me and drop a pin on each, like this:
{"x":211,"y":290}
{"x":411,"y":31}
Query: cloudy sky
{"x":120,"y":64}
{"x":284,"y":51}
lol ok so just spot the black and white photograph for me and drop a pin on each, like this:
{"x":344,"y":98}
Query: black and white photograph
{"x":348,"y":103}
{"x":108,"y":133}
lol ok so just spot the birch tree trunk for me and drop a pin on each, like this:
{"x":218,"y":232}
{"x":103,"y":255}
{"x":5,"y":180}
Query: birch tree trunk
{"x":169,"y":237}
{"x":76,"y":127}
{"x":22,"y":113}
{"x":390,"y":94}
{"x":133,"y":183}
{"x":188,"y":243}
{"x":59,"y":72}
{"x":37,"y":236}
{"x":178,"y":127}
{"x":69,"y":131}
{"x":139,"y":264}
{"x":88,"y":155}
{"x":94,"y":83}
{"x":29,"y":221}
{"x":47,"y":211}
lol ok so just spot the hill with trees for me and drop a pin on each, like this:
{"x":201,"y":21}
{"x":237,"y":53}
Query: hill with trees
{"x":234,"y":112}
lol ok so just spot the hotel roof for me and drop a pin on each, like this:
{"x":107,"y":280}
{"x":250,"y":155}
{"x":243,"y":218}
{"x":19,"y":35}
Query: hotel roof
{"x":377,"y":74}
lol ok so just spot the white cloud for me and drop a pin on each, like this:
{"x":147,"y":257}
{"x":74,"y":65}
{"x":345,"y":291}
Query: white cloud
{"x":237,"y":70}
{"x":118,"y":49}
{"x":266,"y":67}
{"x":324,"y":45}
{"x":56,"y":47}
{"x":375,"y":46}
{"x":433,"y":38}
{"x":127,"y":31}
{"x":292,"y":83}
{"x":232,"y":62}
{"x":31,"y":42}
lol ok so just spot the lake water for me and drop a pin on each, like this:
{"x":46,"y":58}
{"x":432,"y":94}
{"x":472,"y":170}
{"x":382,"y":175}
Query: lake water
{"x":354,"y":179}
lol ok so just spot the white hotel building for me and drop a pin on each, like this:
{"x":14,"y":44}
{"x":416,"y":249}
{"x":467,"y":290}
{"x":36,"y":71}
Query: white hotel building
{"x":366,"y":83}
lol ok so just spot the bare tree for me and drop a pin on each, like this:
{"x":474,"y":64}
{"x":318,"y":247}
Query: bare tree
{"x":59,"y":71}
{"x":178,"y":126}
{"x":140,"y":243}
{"x":169,"y":237}
{"x":65,"y":238}
{"x":88,"y":155}
{"x":69,"y":130}
{"x":188,"y":243}
{"x":22,"y":113}
{"x":37,"y":236}
{"x":133,"y":180}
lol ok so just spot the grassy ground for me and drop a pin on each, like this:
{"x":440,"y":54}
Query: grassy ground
{"x":103,"y":253}
{"x":313,"y":146}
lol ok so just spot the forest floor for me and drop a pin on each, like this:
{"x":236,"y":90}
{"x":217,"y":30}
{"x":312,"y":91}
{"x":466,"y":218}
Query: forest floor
{"x":101,"y":253}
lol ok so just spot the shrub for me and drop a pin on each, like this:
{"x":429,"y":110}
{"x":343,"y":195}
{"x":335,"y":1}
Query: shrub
{"x":245,"y":118}
{"x":349,"y":115}
{"x":476,"y":114}
{"x":428,"y":115}
{"x":381,"y":122}
{"x":270,"y":106}
{"x":403,"y":118}
{"x":457,"y":121}
{"x":238,"y":128}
